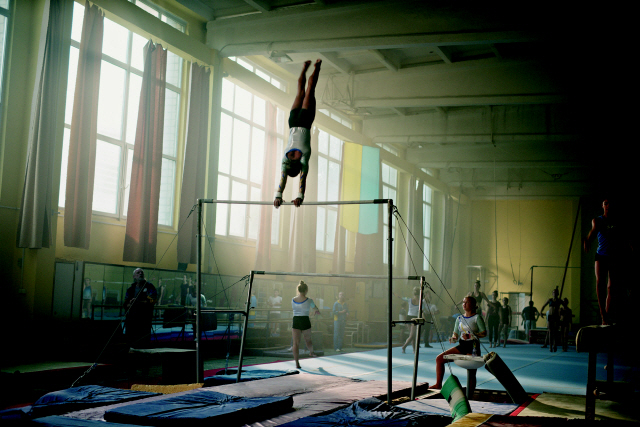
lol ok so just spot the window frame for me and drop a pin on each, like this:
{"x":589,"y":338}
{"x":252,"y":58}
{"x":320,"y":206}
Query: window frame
{"x":427,"y":250}
{"x":386,"y":187}
{"x":3,"y":60}
{"x":251,"y":185}
{"x":124,"y":172}
{"x":330,"y":159}
{"x":164,"y":14}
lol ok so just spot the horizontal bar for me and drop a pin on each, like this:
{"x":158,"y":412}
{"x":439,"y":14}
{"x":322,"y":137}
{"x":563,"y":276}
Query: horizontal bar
{"x":213,"y":310}
{"x":348,"y":276}
{"x":307,"y":203}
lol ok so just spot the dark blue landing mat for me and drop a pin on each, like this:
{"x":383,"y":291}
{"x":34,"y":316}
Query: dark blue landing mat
{"x":372,"y":412}
{"x":201,"y":408}
{"x":83,"y":397}
{"x":61,"y":421}
{"x":257,"y":374}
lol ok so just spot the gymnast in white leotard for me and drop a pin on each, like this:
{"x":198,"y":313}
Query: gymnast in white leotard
{"x":298,"y":151}
{"x":413,"y":312}
{"x":302,"y":307}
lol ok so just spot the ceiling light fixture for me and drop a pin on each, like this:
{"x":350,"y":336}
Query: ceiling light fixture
{"x":278,"y":57}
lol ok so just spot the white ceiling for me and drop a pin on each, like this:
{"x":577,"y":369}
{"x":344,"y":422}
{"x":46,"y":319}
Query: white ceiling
{"x":489,"y":97}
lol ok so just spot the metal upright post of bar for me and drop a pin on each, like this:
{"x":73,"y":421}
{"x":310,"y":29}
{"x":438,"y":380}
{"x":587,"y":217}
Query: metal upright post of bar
{"x":244,"y":331}
{"x":417,"y":344}
{"x":390,"y":205}
{"x":199,"y":361}
{"x":390,"y":302}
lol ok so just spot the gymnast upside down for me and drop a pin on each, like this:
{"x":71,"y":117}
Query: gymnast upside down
{"x":298,"y":150}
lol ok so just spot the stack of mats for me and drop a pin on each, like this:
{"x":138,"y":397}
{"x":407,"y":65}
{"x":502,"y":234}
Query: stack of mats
{"x":241,"y":403}
{"x":372,"y":412}
{"x":55,"y":403}
{"x":230,"y":376}
{"x":203,"y":408}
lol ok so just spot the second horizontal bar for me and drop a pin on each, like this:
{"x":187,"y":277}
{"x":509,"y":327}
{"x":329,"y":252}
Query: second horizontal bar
{"x":306,"y":203}
{"x":347,"y":276}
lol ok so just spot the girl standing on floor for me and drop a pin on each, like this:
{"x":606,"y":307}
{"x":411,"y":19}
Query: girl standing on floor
{"x":413,"y":312}
{"x":302,"y":306}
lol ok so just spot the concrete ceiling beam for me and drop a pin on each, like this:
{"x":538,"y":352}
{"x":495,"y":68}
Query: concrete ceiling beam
{"x":374,"y":42}
{"x":504,"y":165}
{"x":385,"y":60}
{"x":459,"y":101}
{"x":261,"y":5}
{"x":336,"y":62}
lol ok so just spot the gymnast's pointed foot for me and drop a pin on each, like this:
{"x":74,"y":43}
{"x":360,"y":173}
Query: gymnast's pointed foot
{"x":317,"y":66}
{"x":306,"y":66}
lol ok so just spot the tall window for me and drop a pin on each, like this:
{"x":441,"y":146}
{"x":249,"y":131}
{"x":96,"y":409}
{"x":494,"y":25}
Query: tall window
{"x":426,"y":226}
{"x":329,"y":160}
{"x":260,"y":72}
{"x":119,"y":97}
{"x":389,"y":191}
{"x":242,"y":156}
{"x":4,"y":27}
{"x":337,"y":118}
{"x":161,"y":14}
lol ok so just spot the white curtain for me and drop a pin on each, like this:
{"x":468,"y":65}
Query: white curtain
{"x":451,"y":215}
{"x":84,"y":124}
{"x":195,"y":162}
{"x":413,"y":261}
{"x":144,"y":195}
{"x":270,"y":170}
{"x":302,"y":243}
{"x":34,"y":223}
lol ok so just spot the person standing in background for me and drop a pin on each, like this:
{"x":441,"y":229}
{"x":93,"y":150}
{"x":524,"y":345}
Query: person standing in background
{"x":275,"y":301}
{"x":87,"y":298}
{"x":529,"y":317}
{"x":505,"y":320}
{"x":429,"y":312}
{"x":493,"y":320}
{"x":566,"y":320}
{"x":138,"y":304}
{"x":340,"y":313}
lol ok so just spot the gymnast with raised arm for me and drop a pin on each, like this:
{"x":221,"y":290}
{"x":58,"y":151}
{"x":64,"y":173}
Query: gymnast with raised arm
{"x":298,"y":150}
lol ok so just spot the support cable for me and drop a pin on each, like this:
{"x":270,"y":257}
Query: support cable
{"x":398,"y":216}
{"x":95,"y":363}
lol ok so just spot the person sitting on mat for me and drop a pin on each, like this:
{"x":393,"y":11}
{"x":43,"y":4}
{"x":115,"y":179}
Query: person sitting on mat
{"x":298,"y":150}
{"x":469,"y":328}
{"x":301,"y":325}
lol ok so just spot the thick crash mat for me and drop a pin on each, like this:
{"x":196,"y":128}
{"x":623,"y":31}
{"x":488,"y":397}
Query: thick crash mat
{"x":83,"y":397}
{"x":230,"y":376}
{"x":201,"y":408}
{"x":371,"y":412}
{"x":62,"y":421}
{"x":503,"y":374}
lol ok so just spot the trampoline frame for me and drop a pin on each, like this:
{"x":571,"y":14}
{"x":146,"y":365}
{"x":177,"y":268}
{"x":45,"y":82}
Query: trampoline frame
{"x":389,"y":277}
